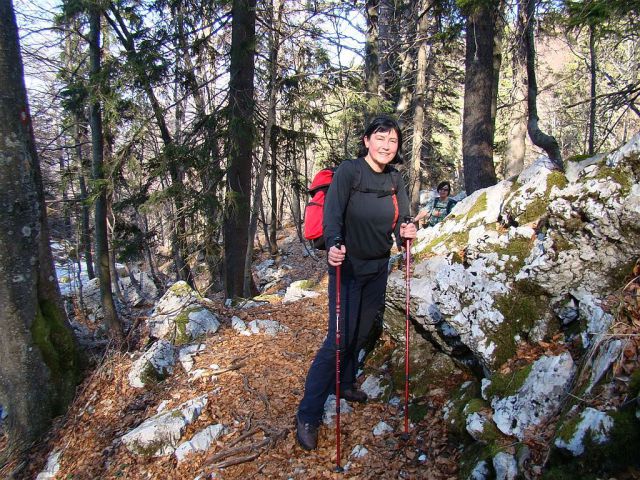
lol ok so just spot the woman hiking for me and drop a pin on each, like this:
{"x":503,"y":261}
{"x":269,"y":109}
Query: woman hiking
{"x":364,"y":207}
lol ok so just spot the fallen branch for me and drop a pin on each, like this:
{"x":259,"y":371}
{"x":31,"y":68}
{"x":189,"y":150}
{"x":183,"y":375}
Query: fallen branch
{"x":237,"y":461}
{"x":236,"y":364}
{"x":260,"y":395}
{"x":257,"y":448}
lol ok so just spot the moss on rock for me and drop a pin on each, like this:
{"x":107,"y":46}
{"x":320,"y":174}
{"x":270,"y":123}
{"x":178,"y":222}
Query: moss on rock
{"x":181,"y":335}
{"x":617,"y":456}
{"x":505,"y":385}
{"x":521,"y":308}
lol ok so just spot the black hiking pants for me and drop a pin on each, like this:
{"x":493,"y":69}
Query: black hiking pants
{"x":361,"y":299}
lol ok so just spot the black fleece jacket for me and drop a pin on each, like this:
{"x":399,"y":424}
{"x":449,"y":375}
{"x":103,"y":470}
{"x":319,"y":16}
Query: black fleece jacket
{"x":362,"y":213}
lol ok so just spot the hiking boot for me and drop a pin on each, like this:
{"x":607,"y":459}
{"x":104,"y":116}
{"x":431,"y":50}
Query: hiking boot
{"x":354,"y":395}
{"x":306,"y":434}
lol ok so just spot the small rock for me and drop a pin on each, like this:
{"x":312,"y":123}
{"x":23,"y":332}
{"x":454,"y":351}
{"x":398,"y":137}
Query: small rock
{"x":381,"y":428}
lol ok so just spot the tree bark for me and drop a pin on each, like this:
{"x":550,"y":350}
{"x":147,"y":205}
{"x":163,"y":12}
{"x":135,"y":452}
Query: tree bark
{"x":516,"y":138}
{"x":477,"y":123}
{"x":547,"y":142}
{"x":85,"y":215}
{"x":592,"y":101}
{"x":111,"y":320}
{"x":241,"y":138}
{"x":272,"y":92}
{"x":40,"y":364}
{"x":371,"y":58}
{"x":419,"y":105}
{"x":273,"y":231}
{"x":386,"y":56}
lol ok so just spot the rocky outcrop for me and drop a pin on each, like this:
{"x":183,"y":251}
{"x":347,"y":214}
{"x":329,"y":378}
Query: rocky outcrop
{"x":515,"y":265}
{"x":160,"y":435}
{"x":180,"y":316}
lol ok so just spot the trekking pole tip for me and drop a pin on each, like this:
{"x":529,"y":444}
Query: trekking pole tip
{"x":338,"y":469}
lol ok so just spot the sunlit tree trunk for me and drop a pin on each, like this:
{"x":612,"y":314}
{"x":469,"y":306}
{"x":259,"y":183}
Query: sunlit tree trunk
{"x":80,"y":137}
{"x":272,"y":93}
{"x":371,"y":58}
{"x":273,"y":227}
{"x":547,"y":142}
{"x":179,"y":235}
{"x":477,"y":123}
{"x":517,"y":135}
{"x":112,"y":322}
{"x":419,"y":105}
{"x":593,"y":78}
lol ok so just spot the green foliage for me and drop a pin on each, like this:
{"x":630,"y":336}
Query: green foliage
{"x":128,"y":240}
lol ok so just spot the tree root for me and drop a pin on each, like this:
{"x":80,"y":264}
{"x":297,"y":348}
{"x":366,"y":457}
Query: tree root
{"x":245,"y":453}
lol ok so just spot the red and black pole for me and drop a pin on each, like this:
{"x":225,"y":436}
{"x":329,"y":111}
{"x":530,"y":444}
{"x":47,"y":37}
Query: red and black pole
{"x":338,"y":468}
{"x":406,"y":335}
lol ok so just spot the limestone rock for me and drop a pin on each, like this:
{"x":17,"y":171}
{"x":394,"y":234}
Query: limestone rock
{"x":538,"y":398}
{"x":299,"y":290}
{"x":154,"y":364}
{"x":159,"y":435}
{"x":592,"y":424}
{"x":505,"y":466}
{"x":200,"y":442}
{"x":51,"y":469}
{"x":180,"y":317}
{"x":329,"y":414}
{"x":267,"y":327}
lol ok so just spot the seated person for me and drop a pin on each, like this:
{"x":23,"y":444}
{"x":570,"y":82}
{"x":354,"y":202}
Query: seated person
{"x":439,"y":209}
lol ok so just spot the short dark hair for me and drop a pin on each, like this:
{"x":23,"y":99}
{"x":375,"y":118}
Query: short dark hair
{"x":441,"y":185}
{"x":382,"y":123}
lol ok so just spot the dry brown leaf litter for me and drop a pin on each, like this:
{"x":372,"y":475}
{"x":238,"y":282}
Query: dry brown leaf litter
{"x":255,"y":394}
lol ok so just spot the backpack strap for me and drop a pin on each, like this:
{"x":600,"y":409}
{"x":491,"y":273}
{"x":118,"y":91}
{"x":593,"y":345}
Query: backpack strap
{"x":380,"y":192}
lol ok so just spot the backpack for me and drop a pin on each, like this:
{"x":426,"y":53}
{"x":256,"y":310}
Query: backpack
{"x":314,"y":211}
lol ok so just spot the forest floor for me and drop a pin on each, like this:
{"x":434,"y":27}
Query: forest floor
{"x":255,"y":394}
{"x":256,"y":398}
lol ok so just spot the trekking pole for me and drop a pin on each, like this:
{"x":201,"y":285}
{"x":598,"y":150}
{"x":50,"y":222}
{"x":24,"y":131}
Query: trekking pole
{"x":338,"y":468}
{"x":406,"y":334}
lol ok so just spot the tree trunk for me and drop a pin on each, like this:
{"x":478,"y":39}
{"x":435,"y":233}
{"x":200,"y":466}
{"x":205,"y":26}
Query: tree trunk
{"x":273,"y":230}
{"x":477,"y":124}
{"x":272,"y":92}
{"x":419,"y":98}
{"x":85,"y":216}
{"x":211,"y":173}
{"x":40,"y":364}
{"x":592,"y":102}
{"x":386,"y":56}
{"x":179,"y":239}
{"x":547,"y":142}
{"x":241,"y":138}
{"x":516,"y":138}
{"x":112,"y":322}
{"x":371,"y":58}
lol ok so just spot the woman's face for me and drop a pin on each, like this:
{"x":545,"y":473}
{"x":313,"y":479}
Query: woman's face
{"x":382,"y":147}
{"x":444,"y":192}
